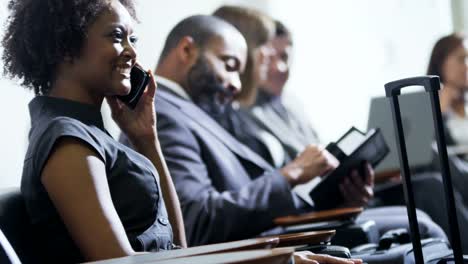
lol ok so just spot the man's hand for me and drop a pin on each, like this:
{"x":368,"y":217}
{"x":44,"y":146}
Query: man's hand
{"x":306,"y":257}
{"x":357,"y":189}
{"x":313,"y":161}
{"x":138,"y":124}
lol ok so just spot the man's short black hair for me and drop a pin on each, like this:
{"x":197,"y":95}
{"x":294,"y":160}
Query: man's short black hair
{"x":200,"y":27}
{"x":40,"y":34}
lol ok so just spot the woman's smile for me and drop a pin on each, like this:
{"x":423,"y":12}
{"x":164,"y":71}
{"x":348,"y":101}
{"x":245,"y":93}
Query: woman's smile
{"x":124,"y":70}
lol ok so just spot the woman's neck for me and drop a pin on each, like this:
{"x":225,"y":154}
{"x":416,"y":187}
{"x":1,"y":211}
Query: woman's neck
{"x":453,"y":99}
{"x":72,"y":90}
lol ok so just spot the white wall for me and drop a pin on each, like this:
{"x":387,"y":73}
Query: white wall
{"x":344,"y":52}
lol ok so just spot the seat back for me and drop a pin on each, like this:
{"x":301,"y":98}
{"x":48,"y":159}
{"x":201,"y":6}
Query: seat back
{"x":7,"y":253}
{"x":15,"y":224}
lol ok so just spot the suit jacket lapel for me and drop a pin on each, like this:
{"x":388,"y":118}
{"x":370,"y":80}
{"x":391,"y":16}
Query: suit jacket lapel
{"x":198,"y":116}
{"x":272,"y":122}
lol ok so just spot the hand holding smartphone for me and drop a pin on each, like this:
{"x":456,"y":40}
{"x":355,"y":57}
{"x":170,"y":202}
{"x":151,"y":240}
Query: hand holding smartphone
{"x":139,"y":80}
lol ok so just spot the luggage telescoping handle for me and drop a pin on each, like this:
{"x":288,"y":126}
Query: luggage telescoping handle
{"x":431,"y":85}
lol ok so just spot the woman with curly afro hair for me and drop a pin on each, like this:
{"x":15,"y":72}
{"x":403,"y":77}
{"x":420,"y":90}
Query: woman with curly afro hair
{"x":88,"y":197}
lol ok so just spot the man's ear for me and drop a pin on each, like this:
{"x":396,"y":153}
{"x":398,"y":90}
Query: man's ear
{"x":187,"y":50}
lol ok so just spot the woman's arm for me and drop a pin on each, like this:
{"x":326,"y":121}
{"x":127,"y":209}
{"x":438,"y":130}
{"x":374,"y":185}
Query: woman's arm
{"x":140,"y":127}
{"x":76,"y":182}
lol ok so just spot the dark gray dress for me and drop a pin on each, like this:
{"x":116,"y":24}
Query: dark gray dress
{"x":132,"y":178}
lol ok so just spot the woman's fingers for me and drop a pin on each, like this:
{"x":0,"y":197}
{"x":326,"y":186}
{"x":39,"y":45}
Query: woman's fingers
{"x":151,"y":89}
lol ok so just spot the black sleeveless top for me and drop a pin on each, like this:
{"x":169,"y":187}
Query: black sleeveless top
{"x":132,"y":178}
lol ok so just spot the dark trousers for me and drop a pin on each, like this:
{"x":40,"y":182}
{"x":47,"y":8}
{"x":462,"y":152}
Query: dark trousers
{"x":429,"y":197}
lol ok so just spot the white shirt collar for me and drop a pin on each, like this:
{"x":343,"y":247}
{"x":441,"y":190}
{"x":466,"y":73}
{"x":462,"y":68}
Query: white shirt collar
{"x":174,"y":87}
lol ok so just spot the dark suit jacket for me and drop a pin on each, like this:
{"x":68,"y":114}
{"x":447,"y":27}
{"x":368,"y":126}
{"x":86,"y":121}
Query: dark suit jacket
{"x":227,"y":192}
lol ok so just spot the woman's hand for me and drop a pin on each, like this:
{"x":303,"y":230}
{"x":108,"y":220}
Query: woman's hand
{"x":138,"y":124}
{"x":306,"y":257}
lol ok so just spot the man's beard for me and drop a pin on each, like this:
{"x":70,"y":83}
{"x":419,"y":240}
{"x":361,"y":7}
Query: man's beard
{"x":206,"y":90}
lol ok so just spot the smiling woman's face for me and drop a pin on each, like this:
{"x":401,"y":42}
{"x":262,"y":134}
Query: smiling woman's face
{"x":108,"y":54}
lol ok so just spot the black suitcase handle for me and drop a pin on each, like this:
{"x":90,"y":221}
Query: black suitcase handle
{"x":432,"y":85}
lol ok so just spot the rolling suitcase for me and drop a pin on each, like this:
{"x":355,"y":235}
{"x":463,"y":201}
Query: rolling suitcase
{"x":431,"y":85}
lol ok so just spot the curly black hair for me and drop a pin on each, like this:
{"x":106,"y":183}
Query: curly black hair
{"x":40,"y":34}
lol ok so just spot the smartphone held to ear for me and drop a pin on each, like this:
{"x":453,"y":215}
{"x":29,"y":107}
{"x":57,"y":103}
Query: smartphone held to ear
{"x":139,"y":80}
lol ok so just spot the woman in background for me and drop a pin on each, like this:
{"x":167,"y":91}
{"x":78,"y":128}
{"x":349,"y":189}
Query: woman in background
{"x":448,"y":61}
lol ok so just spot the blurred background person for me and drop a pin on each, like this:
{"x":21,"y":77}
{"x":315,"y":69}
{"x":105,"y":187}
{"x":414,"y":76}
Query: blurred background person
{"x":292,"y":128}
{"x":448,"y":60}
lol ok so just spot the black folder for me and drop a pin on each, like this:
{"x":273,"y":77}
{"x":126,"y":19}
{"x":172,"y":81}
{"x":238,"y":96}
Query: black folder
{"x":353,"y":149}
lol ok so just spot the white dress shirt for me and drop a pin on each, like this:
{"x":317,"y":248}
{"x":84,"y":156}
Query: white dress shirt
{"x":173,"y":86}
